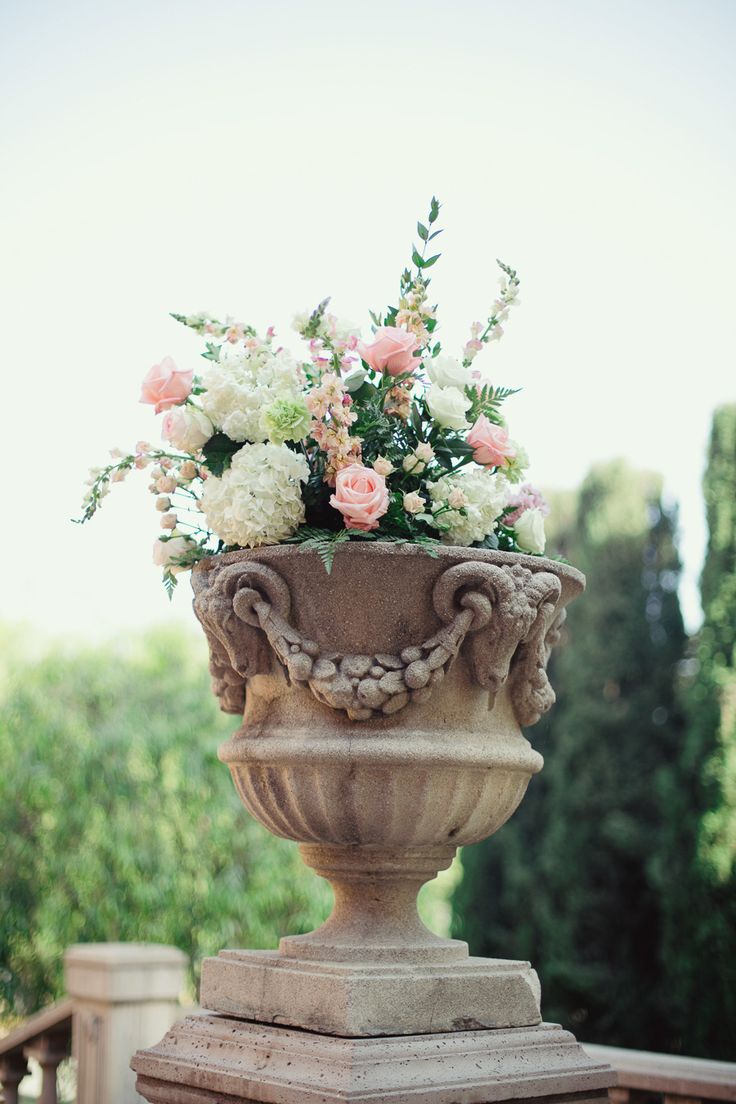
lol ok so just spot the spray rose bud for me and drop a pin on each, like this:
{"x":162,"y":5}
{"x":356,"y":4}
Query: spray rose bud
{"x":188,"y":470}
{"x":163,"y":503}
{"x":413,"y":503}
{"x":383,"y":466}
{"x":456,"y":499}
{"x":412,"y":465}
{"x":168,"y":521}
{"x":424,"y":451}
{"x":166,"y":484}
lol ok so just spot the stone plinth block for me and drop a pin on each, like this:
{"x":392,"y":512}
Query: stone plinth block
{"x":124,"y":996}
{"x":359,"y":999}
{"x":218,"y":1060}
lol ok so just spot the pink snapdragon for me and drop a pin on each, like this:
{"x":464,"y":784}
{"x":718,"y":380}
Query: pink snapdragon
{"x":165,"y":385}
{"x":332,"y":414}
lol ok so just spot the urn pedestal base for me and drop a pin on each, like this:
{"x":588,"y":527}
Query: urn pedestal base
{"x":367,"y":999}
{"x":219,"y":1060}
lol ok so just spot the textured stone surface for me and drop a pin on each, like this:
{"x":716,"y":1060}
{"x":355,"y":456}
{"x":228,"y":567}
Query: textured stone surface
{"x":381,"y":723}
{"x":356,"y":1000}
{"x":510,"y":606}
{"x":381,"y":729}
{"x":218,"y":1059}
{"x":124,"y":996}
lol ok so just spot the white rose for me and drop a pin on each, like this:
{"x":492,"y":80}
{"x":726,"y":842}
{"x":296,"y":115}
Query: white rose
{"x":448,"y":371}
{"x":448,"y":406}
{"x":530,"y":530}
{"x":187,"y":428}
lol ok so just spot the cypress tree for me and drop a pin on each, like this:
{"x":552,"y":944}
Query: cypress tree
{"x":571,"y":881}
{"x":699,"y":876}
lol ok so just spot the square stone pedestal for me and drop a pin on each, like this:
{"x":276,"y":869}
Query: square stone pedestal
{"x":214,"y":1059}
{"x":366,"y":999}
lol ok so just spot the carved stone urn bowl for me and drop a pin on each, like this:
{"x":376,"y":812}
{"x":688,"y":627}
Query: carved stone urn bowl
{"x":382,"y":710}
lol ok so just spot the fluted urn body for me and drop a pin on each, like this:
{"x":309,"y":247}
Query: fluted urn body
{"x":382,"y":712}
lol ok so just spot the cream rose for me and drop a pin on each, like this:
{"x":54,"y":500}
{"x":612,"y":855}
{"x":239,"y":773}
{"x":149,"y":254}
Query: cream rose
{"x":164,"y":551}
{"x":448,"y":371}
{"x":448,"y":406}
{"x":530,"y":530}
{"x":187,"y":428}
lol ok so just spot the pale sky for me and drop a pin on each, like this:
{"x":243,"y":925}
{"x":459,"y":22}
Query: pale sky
{"x":251,"y":158}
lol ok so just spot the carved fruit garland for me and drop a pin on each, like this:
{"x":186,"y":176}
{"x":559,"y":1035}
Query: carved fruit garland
{"x":510,"y":615}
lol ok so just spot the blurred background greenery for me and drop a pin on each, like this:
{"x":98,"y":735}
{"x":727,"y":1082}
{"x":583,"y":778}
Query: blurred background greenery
{"x":616,"y":877}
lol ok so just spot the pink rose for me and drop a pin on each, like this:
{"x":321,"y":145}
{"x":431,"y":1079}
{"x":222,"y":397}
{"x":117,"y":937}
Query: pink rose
{"x":361,"y":496}
{"x":166,"y":386}
{"x":391,"y":351}
{"x":490,"y":443}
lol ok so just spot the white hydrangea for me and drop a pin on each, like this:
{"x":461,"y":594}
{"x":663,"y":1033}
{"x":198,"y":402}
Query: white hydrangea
{"x":242,"y":384}
{"x":258,"y":500}
{"x":485,"y":496}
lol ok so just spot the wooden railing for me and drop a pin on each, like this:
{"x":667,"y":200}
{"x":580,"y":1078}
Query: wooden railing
{"x":644,"y":1076}
{"x":46,"y":1037}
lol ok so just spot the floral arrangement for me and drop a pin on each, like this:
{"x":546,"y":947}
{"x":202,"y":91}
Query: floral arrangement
{"x":387,"y":439}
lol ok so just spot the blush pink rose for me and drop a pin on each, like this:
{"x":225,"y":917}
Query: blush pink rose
{"x":490,"y":444}
{"x":391,"y":351}
{"x":361,"y":496}
{"x":165,"y":385}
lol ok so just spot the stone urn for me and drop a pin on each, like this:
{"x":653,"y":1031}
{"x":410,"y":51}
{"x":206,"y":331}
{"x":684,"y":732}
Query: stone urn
{"x":382,"y":710}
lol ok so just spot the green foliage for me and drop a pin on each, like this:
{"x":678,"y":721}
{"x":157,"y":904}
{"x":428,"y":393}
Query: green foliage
{"x":574,"y":880}
{"x":118,"y":821}
{"x":219,"y":451}
{"x":326,"y":542}
{"x":321,"y":541}
{"x":700,"y":863}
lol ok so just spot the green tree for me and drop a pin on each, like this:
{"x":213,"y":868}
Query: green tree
{"x":699,"y":876}
{"x":571,"y":881}
{"x":119,"y":823}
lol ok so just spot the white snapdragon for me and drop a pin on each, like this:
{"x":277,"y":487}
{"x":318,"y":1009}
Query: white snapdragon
{"x":448,"y":371}
{"x":243,"y":384}
{"x":483,"y":498}
{"x":530,"y":530}
{"x":448,"y":406}
{"x":258,"y":499}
